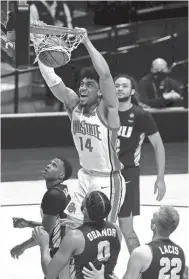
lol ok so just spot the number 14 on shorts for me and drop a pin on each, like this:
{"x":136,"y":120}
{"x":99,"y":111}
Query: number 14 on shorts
{"x":86,"y":144}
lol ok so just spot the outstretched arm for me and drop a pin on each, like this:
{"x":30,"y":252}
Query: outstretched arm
{"x":107,"y":86}
{"x":58,"y":88}
{"x":23,"y":223}
{"x":106,"y":81}
{"x":48,"y":223}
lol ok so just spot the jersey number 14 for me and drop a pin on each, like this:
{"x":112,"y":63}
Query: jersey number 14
{"x":86,"y":145}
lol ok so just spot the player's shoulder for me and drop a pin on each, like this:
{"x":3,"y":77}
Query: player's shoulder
{"x":114,"y":226}
{"x":178,"y":246}
{"x":75,"y":235}
{"x":138,"y":110}
{"x":55,"y":192}
{"x":142,"y":253}
{"x":141,"y":115}
{"x":60,"y":187}
{"x":76,"y":239}
{"x":110,"y":224}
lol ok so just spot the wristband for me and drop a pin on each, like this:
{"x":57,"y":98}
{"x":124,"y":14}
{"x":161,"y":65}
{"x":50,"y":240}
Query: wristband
{"x":49,"y":75}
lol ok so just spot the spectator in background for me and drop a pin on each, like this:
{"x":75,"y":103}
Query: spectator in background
{"x":157,"y":89}
{"x":52,"y":13}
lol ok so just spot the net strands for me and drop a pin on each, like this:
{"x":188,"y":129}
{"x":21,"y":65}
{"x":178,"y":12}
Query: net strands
{"x":47,"y":38}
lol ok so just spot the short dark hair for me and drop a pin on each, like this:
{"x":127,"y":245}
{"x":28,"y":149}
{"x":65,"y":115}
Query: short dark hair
{"x":135,"y":97}
{"x":89,"y":72}
{"x":67,"y":168}
{"x":98,"y":206}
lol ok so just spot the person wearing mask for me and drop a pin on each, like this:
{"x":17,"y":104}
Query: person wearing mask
{"x":157,"y":89}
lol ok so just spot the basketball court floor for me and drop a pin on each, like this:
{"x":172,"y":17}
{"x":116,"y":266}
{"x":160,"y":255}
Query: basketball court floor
{"x":28,"y":265}
{"x":21,"y":198}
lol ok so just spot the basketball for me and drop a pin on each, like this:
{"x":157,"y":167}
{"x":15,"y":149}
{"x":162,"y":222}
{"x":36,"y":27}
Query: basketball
{"x":54,"y":58}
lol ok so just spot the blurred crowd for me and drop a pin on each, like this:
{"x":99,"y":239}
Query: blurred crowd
{"x":57,"y":13}
{"x":156,"y":89}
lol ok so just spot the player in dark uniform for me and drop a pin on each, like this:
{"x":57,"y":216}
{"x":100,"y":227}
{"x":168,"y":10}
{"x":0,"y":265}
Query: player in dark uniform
{"x":159,"y":259}
{"x":53,"y":204}
{"x":96,"y":241}
{"x":135,"y":124}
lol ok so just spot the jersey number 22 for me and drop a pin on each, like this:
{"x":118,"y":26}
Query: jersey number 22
{"x":175,"y":265}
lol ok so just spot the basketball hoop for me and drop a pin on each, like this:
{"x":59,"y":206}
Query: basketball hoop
{"x":49,"y":38}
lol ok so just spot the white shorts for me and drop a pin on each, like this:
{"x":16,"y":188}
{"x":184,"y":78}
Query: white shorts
{"x":113,"y":186}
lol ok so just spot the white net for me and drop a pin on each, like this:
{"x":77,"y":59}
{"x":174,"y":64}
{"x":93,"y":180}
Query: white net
{"x":65,"y":43}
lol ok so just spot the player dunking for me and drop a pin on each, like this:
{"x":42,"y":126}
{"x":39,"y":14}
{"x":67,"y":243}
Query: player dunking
{"x":94,"y":125}
{"x":96,"y":241}
{"x":135,"y":124}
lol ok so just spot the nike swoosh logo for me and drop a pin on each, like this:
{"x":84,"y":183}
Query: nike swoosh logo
{"x":126,"y":182}
{"x":103,"y":187}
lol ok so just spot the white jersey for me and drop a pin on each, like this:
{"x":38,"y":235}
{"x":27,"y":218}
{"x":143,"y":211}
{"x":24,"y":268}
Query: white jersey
{"x":95,"y":142}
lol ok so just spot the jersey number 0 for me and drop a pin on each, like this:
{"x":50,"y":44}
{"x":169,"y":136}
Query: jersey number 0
{"x":103,"y":250}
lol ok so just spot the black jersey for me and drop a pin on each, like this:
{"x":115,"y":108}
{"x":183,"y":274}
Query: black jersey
{"x":54,"y":201}
{"x":135,"y":124}
{"x":168,"y":260}
{"x":102,"y":246}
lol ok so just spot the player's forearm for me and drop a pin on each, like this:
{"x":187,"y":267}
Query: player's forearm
{"x":28,"y":244}
{"x":98,"y":60}
{"x":54,"y":82}
{"x":107,"y":86}
{"x":33,"y":224}
{"x":160,"y":158}
{"x":45,"y":260}
{"x":49,"y":75}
